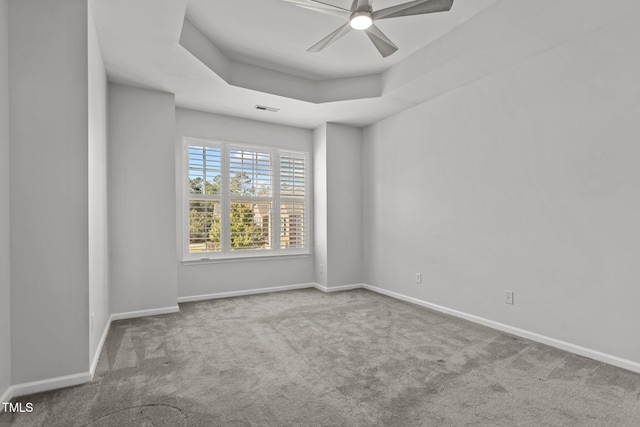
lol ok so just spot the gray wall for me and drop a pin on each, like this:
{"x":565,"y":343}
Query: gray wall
{"x":49,"y":190}
{"x":98,"y":223}
{"x":141,"y":199}
{"x":526,"y":180}
{"x":344,"y":205}
{"x":337,"y":153}
{"x":5,"y":247}
{"x":216,"y":277}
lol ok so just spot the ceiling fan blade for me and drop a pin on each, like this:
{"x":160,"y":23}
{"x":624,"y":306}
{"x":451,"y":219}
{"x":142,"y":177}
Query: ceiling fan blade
{"x":339,"y":13}
{"x":361,"y":5}
{"x":417,"y":7}
{"x":344,"y":29}
{"x":315,"y":4}
{"x":380,"y":41}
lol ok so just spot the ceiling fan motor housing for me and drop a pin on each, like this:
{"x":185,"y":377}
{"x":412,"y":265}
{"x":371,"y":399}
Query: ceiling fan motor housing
{"x":361,"y":20}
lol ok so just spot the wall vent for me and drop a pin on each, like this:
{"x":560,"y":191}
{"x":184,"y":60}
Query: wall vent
{"x":265,"y":108}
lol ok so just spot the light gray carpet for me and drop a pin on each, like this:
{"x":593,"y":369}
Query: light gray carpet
{"x":355,"y":358}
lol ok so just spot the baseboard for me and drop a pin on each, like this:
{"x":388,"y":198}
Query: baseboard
{"x":562,"y":345}
{"x":245,"y":292}
{"x":338,"y":288}
{"x":24,"y":389}
{"x":5,"y":397}
{"x":103,"y":338}
{"x":18,"y":390}
{"x":144,"y":313}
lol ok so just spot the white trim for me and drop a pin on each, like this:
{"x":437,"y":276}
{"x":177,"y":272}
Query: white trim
{"x":338,"y":288}
{"x":276,"y":207}
{"x":40,"y":386}
{"x":267,"y":290}
{"x":85,"y":377}
{"x":103,"y":338}
{"x":562,"y":345}
{"x":123,"y":316}
{"x":245,"y":292}
{"x":279,"y":256}
{"x":144,"y":313}
{"x":24,"y":389}
{"x":225,"y":199}
{"x":6,"y":397}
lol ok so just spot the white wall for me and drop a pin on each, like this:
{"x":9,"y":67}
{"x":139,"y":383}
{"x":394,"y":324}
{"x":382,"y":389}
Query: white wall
{"x":49,"y":190}
{"x":526,"y":180}
{"x":98,"y":222}
{"x":141,"y":199}
{"x":216,"y":277}
{"x":338,"y":209}
{"x":5,"y":247}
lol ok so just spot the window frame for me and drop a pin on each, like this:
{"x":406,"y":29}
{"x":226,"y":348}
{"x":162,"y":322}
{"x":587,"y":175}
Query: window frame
{"x":225,"y":197}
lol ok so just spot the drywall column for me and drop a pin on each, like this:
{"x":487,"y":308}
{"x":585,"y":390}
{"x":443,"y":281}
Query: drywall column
{"x":49,"y":190}
{"x":98,"y":224}
{"x":5,"y":247}
{"x":142,"y":200}
{"x":338,"y":204}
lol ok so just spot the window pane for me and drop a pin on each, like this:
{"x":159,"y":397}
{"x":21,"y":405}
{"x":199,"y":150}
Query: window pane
{"x":205,"y":165}
{"x":249,"y":173}
{"x":292,"y":176}
{"x":250,"y":225}
{"x":292,"y":225}
{"x":204,"y":226}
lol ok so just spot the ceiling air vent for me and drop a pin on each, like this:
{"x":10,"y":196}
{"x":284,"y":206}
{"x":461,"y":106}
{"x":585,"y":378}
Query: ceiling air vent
{"x":265,"y":108}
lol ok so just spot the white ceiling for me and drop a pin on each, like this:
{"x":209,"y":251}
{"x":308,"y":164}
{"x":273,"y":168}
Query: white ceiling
{"x":276,"y":35}
{"x":139,"y":40}
{"x":140,"y":44}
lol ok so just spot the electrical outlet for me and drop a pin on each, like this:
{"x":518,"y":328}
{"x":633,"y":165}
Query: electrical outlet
{"x":92,"y":320}
{"x":418,"y":277}
{"x":321,"y":268}
{"x":508,"y":297}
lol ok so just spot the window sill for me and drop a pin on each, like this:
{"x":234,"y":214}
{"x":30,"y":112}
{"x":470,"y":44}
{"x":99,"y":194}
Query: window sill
{"x":244,"y":258}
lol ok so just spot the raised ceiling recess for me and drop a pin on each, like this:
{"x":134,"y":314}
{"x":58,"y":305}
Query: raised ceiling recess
{"x":275,"y":34}
{"x":227,"y":56}
{"x":267,"y":50}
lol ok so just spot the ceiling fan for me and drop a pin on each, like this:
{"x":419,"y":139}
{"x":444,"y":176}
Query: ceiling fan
{"x":361,"y":17}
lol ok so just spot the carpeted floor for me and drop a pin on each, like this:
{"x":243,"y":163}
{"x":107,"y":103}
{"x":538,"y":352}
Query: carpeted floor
{"x":355,"y":358}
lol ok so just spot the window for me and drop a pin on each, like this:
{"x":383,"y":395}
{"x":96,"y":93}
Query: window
{"x":243,"y":201}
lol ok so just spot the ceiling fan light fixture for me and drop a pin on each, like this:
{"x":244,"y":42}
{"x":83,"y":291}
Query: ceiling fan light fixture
{"x":361,"y":17}
{"x":361,"y":20}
